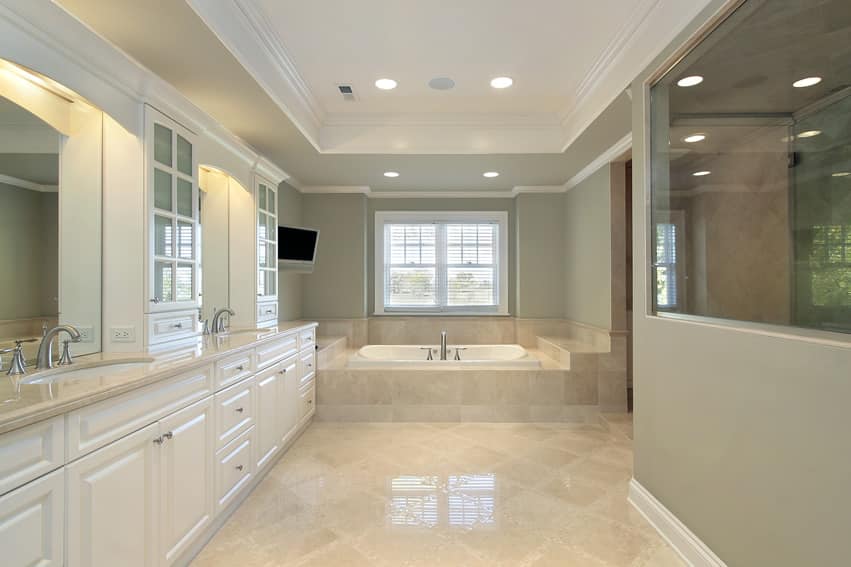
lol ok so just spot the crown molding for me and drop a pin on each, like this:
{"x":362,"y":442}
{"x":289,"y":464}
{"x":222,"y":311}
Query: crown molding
{"x":30,"y":185}
{"x":428,"y":194}
{"x":269,"y":170}
{"x":444,"y":119}
{"x":610,"y":155}
{"x":334,"y":189}
{"x":243,"y":29}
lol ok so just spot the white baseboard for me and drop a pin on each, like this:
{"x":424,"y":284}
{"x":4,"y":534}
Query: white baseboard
{"x":693,"y":551}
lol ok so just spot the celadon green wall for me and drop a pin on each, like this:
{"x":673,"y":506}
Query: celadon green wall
{"x":289,"y":281}
{"x":539,"y":282}
{"x":337,"y":286}
{"x":741,"y":430}
{"x":29,"y":242}
{"x":480,"y":204}
{"x":588,"y":251}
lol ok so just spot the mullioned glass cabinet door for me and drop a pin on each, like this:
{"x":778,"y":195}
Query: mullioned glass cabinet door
{"x":172,"y":189}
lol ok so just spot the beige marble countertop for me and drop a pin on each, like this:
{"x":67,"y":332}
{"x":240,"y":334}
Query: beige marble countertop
{"x":22,"y":404}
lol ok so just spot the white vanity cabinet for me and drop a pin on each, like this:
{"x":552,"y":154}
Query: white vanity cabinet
{"x":143,"y":478}
{"x":266,"y":198}
{"x":32,"y":523}
{"x":171,"y":181}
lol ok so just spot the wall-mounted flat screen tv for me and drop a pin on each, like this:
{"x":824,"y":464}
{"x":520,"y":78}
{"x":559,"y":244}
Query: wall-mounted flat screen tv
{"x":297,"y":245}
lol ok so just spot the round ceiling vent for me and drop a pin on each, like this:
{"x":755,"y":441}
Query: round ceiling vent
{"x":441,"y":83}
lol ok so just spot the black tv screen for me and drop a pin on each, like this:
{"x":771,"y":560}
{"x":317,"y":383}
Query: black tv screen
{"x":297,"y":244}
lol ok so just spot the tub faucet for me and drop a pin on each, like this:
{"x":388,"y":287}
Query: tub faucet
{"x":44,"y":358}
{"x":442,"y":345}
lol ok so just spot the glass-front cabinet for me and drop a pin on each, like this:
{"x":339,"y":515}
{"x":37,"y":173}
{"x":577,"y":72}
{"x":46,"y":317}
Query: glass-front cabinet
{"x":267,"y":249}
{"x":172,"y":193}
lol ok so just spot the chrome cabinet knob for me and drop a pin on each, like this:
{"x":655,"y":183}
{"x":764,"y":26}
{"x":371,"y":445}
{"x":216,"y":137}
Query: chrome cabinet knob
{"x":158,"y":440}
{"x":239,"y":410}
{"x":239,"y":467}
{"x":155,"y":300}
{"x":168,"y":435}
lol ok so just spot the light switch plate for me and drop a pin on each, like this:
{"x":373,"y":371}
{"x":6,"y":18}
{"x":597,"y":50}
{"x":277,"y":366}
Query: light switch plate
{"x":123,"y":334}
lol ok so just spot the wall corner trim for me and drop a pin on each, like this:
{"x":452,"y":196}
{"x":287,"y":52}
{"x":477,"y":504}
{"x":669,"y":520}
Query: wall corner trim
{"x":692,"y":550}
{"x":608,"y":156}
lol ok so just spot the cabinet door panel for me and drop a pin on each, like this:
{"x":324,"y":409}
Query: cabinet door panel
{"x":268,"y":396}
{"x":187,"y":477}
{"x":112,"y":497}
{"x":32,"y":523}
{"x":290,"y":410}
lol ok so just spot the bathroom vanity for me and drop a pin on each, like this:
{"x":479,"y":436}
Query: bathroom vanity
{"x":138,"y":463}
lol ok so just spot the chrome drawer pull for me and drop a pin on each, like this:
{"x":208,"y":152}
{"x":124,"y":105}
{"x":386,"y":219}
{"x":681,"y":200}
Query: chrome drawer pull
{"x":168,"y":435}
{"x":239,"y":467}
{"x":239,"y":368}
{"x":158,"y":440}
{"x":284,"y":371}
{"x":178,"y":325}
{"x":239,"y":410}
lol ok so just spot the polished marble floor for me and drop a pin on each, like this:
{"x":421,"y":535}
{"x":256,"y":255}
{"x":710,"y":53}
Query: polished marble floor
{"x":445,"y":494}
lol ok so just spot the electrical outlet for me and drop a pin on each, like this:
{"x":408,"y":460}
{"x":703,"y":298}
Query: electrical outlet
{"x":123,"y":334}
{"x":87,"y":334}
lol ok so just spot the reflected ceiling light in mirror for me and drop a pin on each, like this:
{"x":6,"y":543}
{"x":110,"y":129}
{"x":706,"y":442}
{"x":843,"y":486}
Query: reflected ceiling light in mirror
{"x":809,"y":134}
{"x":701,"y":173}
{"x":841,"y":174}
{"x":806,"y":82}
{"x":391,"y":174}
{"x":693,"y":138}
{"x":490,"y":174}
{"x":690,"y":81}
{"x":502,"y":82}
{"x":386,"y":84}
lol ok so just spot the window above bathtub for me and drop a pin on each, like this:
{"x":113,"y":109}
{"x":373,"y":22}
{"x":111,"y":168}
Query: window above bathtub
{"x":441,"y":262}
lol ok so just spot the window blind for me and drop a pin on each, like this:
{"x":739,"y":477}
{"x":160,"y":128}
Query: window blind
{"x":441,"y":266}
{"x":666,"y":265}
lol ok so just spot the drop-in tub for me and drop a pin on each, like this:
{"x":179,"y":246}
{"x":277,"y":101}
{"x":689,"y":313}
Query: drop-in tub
{"x":416,"y":356}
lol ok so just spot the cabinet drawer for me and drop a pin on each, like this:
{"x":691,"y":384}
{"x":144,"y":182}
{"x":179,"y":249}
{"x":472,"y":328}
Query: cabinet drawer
{"x":276,"y":350}
{"x":308,"y":401}
{"x":267,"y":311}
{"x":307,"y":339}
{"x":30,"y":452}
{"x":307,"y":362}
{"x":234,"y":412}
{"x":234,"y":368}
{"x":171,"y":326}
{"x":96,"y":425}
{"x":234,"y":468}
{"x":32,"y":523}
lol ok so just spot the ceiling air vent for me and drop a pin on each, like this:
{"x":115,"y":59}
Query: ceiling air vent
{"x":347,"y":92}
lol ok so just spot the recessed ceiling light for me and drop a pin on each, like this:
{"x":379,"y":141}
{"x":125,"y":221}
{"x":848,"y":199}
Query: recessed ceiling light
{"x":701,"y":173}
{"x":391,"y":174}
{"x":441,"y":83}
{"x":809,"y":134}
{"x":806,"y":82}
{"x":386,"y":84}
{"x":787,"y":139}
{"x":491,"y":174}
{"x":690,"y":81}
{"x":842,"y":174}
{"x":502,"y":82}
{"x":691,"y":139}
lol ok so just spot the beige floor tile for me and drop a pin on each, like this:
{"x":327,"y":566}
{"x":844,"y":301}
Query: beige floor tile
{"x":472,"y":494}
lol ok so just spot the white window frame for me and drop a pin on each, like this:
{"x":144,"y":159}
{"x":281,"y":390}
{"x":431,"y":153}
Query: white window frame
{"x":389,"y":217}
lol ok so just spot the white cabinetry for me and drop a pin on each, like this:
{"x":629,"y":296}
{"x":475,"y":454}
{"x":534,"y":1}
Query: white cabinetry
{"x":171,"y":180}
{"x":187,"y":477}
{"x":270,"y":395}
{"x":32,"y":523}
{"x":266,"y":194}
{"x":112,"y":503}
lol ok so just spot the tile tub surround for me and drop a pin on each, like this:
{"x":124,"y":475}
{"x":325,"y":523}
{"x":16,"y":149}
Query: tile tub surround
{"x":549,"y":394}
{"x":522,"y":495}
{"x":24,"y":404}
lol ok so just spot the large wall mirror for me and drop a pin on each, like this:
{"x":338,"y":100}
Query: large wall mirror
{"x":751,"y":170}
{"x":50,"y":212}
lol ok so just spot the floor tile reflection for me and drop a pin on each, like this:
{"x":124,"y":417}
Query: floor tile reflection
{"x":444,"y":494}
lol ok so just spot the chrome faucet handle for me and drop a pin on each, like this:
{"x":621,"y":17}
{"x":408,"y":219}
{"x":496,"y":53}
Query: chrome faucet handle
{"x":206,"y":326}
{"x":429,"y":356}
{"x":458,"y":350}
{"x":66,"y":359}
{"x":18,"y":365}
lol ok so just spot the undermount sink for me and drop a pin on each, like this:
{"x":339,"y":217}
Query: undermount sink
{"x":85,"y":370}
{"x":229,"y":332}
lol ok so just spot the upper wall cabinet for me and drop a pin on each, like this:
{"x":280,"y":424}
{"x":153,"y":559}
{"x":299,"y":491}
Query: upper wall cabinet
{"x":267,"y":250}
{"x":171,"y":178}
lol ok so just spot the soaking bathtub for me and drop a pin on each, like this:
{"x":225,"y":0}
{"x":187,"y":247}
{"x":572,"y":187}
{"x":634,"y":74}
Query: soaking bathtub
{"x":415,"y":356}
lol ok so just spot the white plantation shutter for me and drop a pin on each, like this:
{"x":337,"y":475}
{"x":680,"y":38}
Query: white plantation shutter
{"x":440,"y":265}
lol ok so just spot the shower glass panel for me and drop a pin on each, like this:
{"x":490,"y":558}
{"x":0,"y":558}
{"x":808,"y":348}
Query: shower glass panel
{"x":751,"y":170}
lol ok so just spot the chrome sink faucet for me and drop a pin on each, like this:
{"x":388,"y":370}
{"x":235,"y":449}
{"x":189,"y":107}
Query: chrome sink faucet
{"x":443,"y":345}
{"x":218,"y":324}
{"x":44,"y":358}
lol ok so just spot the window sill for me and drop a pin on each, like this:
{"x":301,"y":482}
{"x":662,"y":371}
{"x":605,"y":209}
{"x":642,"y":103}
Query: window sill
{"x":439,"y":314}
